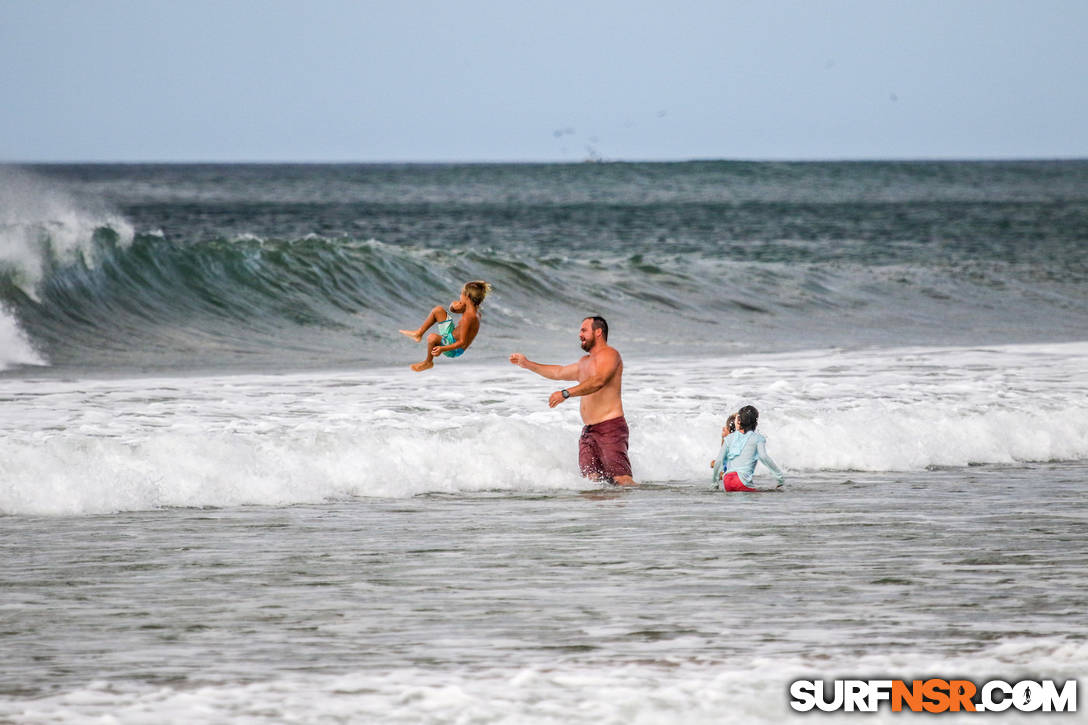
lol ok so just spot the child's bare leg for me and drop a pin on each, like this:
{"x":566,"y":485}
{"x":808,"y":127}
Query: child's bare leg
{"x":437,"y":314}
{"x":427,"y":364}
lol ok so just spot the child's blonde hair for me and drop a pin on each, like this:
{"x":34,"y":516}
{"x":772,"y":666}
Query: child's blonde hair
{"x":476,"y":291}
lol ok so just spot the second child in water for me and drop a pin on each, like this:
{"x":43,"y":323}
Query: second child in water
{"x":452,"y":340}
{"x":741,"y":448}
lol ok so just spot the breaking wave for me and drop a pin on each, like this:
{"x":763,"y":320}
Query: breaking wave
{"x":83,"y":285}
{"x":115,"y":300}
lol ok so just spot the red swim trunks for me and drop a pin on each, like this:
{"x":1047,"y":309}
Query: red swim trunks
{"x":732,"y":482}
{"x":602,"y":449}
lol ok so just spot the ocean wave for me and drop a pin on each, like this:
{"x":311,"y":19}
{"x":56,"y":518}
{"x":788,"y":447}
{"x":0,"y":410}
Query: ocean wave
{"x":271,"y":464}
{"x":151,"y":301}
{"x":44,"y":228}
{"x":82,"y":446}
{"x":76,"y":475}
{"x":86,"y":288}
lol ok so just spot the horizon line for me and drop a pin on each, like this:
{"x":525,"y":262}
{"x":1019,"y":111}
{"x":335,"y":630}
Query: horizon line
{"x":541,"y":162}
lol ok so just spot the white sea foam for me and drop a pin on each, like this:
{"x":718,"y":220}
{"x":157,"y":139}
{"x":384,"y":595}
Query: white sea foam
{"x":87,"y":474}
{"x":15,"y":348}
{"x":106,"y":445}
{"x":753,"y":691}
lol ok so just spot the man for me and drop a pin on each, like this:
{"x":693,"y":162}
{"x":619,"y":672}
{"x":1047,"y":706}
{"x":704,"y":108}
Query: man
{"x":602,"y":449}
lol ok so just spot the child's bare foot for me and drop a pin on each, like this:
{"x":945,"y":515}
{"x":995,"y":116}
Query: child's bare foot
{"x":414,"y":334}
{"x":421,"y":366}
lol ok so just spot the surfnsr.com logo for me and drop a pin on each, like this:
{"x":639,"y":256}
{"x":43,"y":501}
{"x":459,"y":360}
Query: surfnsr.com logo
{"x":933,"y":695}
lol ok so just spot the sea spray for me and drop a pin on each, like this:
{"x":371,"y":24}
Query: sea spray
{"x":15,"y":348}
{"x":43,"y":228}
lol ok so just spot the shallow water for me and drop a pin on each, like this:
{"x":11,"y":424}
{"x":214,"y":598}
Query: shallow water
{"x":373,"y":608}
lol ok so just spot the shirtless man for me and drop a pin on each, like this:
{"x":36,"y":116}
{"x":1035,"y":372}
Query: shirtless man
{"x":602,"y":449}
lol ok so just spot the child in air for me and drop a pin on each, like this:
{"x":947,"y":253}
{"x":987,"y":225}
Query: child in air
{"x":452,"y":341}
{"x":739,"y":452}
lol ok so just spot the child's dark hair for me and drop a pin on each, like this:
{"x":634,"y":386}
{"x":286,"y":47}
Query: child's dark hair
{"x":476,"y":291}
{"x":731,"y":423}
{"x":747,"y":418}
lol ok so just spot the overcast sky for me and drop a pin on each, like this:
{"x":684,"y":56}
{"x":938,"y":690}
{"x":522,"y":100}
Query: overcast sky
{"x":465,"y":80}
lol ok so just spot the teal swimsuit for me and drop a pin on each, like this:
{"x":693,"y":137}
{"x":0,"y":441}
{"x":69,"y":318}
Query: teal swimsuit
{"x":445,"y":329}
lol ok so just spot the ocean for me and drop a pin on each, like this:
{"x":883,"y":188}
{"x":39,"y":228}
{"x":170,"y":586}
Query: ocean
{"x":224,"y":497}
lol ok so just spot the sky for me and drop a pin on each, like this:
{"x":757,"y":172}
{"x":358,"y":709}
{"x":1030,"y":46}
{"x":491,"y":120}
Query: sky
{"x":415,"y":81}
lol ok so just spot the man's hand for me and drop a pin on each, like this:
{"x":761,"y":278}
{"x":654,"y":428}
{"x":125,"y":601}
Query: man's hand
{"x":556,"y":399}
{"x":437,"y":350}
{"x":518,"y":359}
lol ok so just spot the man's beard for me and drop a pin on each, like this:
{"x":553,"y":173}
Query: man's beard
{"x":588,"y":344}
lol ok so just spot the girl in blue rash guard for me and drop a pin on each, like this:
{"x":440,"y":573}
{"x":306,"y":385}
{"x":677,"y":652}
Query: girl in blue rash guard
{"x":740,"y":451}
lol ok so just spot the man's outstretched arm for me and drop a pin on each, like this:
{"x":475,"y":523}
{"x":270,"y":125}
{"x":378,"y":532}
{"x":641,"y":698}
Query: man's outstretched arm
{"x":552,"y":372}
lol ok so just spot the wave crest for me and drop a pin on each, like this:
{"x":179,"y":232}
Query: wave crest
{"x":43,"y":227}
